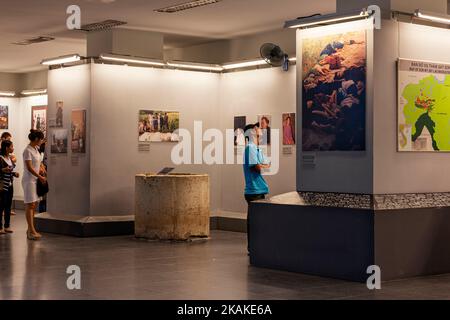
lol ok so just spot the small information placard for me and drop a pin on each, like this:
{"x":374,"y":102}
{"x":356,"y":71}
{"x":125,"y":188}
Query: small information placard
{"x":309,"y":160}
{"x":287,"y":150}
{"x":53,"y":160}
{"x":75,"y":161}
{"x":144,"y":147}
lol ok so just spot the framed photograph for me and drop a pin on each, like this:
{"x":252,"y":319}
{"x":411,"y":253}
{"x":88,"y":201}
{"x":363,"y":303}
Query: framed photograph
{"x":78,"y":128}
{"x":265,"y":123}
{"x":59,"y":120}
{"x":239,"y":134}
{"x":39,"y":119}
{"x":58,"y":141}
{"x":288,"y":129}
{"x":334,"y":92}
{"x":4,"y":117}
{"x":158,"y":126}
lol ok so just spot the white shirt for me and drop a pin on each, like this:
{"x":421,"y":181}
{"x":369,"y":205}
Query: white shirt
{"x":32,"y":154}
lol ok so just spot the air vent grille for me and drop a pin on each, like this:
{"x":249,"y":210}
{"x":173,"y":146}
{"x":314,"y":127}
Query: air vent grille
{"x":28,"y":42}
{"x":104,"y":25}
{"x":186,"y":6}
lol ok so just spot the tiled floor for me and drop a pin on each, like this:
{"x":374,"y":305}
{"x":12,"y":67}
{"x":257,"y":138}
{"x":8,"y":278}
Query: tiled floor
{"x":126,"y":268}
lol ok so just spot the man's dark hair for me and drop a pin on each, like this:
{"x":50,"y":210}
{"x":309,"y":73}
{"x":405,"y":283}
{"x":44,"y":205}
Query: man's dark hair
{"x":248,"y":129}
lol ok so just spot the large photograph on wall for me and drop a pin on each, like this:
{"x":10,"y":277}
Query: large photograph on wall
{"x":78,"y":144}
{"x":423,"y":106}
{"x":158,"y":126}
{"x":334,"y":92}
{"x":4,"y":117}
{"x":39,"y":119}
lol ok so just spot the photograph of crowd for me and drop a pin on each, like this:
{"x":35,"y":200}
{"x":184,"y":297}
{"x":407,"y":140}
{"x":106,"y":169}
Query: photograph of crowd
{"x":39,"y":119}
{"x":158,"y":126}
{"x":334,"y":92}
{"x":78,"y":144}
{"x":59,"y":140}
{"x":4,"y":117}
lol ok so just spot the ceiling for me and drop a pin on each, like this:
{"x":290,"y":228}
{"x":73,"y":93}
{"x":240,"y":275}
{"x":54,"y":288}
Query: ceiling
{"x":21,"y":19}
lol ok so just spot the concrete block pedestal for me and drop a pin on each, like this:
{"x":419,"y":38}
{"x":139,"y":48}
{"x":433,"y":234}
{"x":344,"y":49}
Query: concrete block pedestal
{"x":172,"y":207}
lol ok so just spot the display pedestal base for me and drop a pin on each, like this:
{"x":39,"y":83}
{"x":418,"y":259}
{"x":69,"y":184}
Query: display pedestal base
{"x":172,"y":207}
{"x":340,"y":235}
{"x":82,"y":226}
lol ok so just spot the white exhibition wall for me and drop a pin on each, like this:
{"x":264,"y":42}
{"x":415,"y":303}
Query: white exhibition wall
{"x":119,"y":92}
{"x":19,"y":110}
{"x":399,"y":172}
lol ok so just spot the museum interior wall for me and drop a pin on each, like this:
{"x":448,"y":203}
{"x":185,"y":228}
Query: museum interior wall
{"x":69,"y":173}
{"x":19,"y":123}
{"x":403,"y":172}
{"x":104,"y":179}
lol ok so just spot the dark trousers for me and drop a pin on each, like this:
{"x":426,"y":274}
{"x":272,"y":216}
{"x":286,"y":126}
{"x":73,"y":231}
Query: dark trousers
{"x":249,"y":198}
{"x":5,"y":206}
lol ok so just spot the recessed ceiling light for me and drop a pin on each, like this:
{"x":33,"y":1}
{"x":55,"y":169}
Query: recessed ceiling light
{"x":27,"y":42}
{"x":103,"y":25}
{"x":186,"y":6}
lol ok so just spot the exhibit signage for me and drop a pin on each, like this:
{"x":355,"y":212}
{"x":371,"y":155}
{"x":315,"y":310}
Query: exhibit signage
{"x":423,"y":106}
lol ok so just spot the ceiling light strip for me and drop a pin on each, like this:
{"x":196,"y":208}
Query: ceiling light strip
{"x":326,"y":19}
{"x":244,"y":64}
{"x":61,"y":60}
{"x":195,"y":66}
{"x":7,"y":93}
{"x":34,"y":92}
{"x":132,"y":60}
{"x":444,"y":19}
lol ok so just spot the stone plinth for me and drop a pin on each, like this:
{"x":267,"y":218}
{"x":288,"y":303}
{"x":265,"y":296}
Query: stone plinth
{"x":172,"y":207}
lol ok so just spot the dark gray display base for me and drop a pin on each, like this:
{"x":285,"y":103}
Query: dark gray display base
{"x":85,"y":226}
{"x":291,"y":233}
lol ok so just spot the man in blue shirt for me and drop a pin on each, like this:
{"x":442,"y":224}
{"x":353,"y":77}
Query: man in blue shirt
{"x":256,"y":187}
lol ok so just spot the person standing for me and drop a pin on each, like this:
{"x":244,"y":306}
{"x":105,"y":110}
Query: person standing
{"x":8,"y":136}
{"x":32,"y":167}
{"x":7,"y":175}
{"x":256,"y":187}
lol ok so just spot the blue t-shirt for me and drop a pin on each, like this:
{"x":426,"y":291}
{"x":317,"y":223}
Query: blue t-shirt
{"x":254,"y":181}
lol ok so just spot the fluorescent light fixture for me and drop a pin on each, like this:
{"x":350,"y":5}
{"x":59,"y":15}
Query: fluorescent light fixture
{"x":186,"y":6}
{"x":61,"y":60}
{"x":326,"y":19}
{"x":195,"y":66}
{"x":34,"y":92}
{"x":132,"y":60}
{"x":244,"y":64}
{"x":7,"y":93}
{"x":445,"y":19}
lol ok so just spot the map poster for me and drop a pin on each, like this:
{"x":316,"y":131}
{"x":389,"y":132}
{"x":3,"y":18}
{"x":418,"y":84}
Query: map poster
{"x":423,"y":106}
